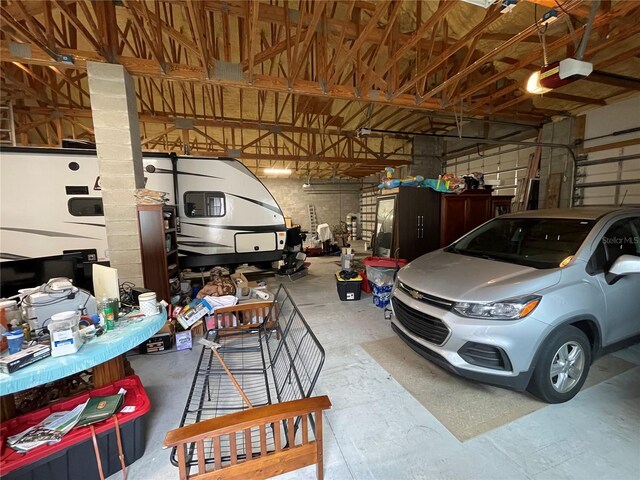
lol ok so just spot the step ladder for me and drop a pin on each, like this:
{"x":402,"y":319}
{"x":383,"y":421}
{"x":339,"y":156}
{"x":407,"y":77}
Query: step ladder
{"x":313,"y":219}
{"x":7,"y":127}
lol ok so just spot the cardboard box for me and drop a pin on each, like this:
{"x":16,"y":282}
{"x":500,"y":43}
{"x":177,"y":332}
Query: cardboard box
{"x":242,"y":285}
{"x":157,"y":343}
{"x":169,"y":327}
{"x":198,"y":329}
{"x":183,"y":340}
{"x":21,"y":359}
{"x":200,"y":309}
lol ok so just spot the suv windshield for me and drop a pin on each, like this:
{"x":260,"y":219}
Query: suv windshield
{"x":534,"y":242}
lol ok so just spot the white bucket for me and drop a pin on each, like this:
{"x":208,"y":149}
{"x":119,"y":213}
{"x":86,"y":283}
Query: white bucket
{"x":148,"y":304}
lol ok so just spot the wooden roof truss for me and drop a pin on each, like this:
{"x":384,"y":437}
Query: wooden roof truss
{"x":291,"y":83}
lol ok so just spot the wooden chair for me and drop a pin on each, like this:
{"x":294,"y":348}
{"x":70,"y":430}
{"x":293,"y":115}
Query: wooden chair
{"x":244,"y":315}
{"x":248,"y":458}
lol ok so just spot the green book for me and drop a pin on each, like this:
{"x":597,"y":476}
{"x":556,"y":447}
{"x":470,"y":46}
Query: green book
{"x":100,"y":408}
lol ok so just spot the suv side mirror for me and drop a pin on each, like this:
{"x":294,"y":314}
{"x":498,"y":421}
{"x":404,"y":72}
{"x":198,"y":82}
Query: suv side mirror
{"x":626,"y":264}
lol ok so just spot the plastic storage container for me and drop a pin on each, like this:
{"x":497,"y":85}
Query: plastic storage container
{"x":12,"y":312}
{"x":348,"y":289}
{"x":65,"y":333}
{"x":366,"y":286}
{"x":15,"y":339}
{"x":382,"y":270}
{"x":73,"y":457}
{"x":10,"y":316}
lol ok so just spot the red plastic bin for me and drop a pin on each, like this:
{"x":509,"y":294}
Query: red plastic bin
{"x":382,"y":270}
{"x":73,"y":457}
{"x":366,"y":286}
{"x":385,"y":262}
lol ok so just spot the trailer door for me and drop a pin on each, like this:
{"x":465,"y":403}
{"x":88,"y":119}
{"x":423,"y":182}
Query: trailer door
{"x":255,"y":242}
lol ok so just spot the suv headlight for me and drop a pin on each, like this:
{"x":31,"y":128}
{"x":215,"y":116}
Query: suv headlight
{"x":510,"y":309}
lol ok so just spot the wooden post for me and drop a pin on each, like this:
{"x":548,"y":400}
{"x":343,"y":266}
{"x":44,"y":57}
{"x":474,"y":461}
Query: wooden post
{"x":320,"y":466}
{"x":108,"y":372}
{"x":7,"y":407}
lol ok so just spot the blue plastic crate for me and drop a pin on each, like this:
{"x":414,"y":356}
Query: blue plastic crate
{"x":381,"y":289}
{"x":381,"y":301}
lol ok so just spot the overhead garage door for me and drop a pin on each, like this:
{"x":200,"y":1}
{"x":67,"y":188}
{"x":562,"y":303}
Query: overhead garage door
{"x":604,"y":180}
{"x":610,"y":173}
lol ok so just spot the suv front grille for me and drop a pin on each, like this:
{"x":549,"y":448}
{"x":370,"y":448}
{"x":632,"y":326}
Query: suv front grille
{"x":423,"y":297}
{"x":425,"y":326}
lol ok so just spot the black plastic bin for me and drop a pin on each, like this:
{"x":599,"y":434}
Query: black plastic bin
{"x":349,"y":289}
{"x":74,"y":457}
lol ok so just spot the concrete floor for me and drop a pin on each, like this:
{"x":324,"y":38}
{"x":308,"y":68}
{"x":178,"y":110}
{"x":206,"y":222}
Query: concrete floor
{"x":377,"y":430}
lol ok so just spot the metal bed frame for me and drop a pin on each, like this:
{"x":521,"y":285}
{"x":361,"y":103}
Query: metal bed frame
{"x":278,"y":359}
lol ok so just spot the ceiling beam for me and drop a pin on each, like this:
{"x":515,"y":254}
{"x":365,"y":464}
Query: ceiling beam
{"x":196,"y":74}
{"x":526,"y":61}
{"x":336,"y":26}
{"x":159,"y":118}
{"x":614,"y":80}
{"x":513,"y":41}
{"x":436,"y":63}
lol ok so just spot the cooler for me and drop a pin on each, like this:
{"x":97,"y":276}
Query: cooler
{"x":348,"y":288}
{"x":74,"y":457}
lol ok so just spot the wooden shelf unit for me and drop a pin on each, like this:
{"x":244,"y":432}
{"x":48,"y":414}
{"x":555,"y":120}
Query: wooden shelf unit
{"x":159,"y":243}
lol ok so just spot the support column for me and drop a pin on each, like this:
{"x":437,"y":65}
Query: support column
{"x":556,"y":165}
{"x":117,"y":132}
{"x":427,"y":157}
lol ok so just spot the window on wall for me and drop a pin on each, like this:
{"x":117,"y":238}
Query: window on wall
{"x":85,"y":207}
{"x":204,"y":204}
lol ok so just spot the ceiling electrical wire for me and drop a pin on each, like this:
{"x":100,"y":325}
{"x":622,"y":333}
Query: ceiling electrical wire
{"x":535,"y":20}
{"x":541,"y":34}
{"x":567,"y":13}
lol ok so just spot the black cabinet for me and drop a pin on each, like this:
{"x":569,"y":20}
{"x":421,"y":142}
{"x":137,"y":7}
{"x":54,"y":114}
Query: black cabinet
{"x":407,"y":223}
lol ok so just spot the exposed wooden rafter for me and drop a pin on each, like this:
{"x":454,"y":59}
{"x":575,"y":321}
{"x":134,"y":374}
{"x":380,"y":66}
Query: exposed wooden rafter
{"x":291,"y":83}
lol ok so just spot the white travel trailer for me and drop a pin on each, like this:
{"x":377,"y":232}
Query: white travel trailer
{"x":50,"y":201}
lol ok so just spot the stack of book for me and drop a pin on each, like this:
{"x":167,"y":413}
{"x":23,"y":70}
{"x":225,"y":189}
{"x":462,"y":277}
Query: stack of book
{"x":55,"y":426}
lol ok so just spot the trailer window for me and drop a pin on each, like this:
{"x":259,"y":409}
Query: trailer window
{"x":204,"y":204}
{"x":86,"y":207}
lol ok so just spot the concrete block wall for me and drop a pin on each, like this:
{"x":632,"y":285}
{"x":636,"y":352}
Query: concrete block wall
{"x":333,"y":200}
{"x":115,"y":120}
{"x":427,"y":157}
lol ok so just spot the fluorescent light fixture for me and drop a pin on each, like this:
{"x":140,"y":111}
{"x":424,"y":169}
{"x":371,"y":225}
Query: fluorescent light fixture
{"x":481,"y":3}
{"x":277,"y":171}
{"x":533,"y":84}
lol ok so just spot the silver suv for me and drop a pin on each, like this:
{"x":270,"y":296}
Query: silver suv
{"x":527,"y":300}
